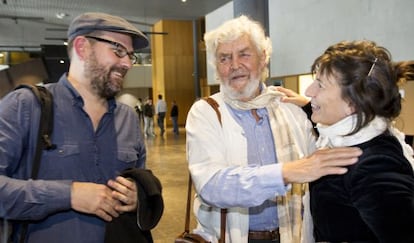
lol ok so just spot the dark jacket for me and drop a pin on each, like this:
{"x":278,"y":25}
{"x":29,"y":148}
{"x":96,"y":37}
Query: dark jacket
{"x":373,"y":202}
{"x":135,"y":227}
{"x":148,"y":110}
{"x":174,"y":111}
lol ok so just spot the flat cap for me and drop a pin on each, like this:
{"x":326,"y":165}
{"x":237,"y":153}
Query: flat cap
{"x":93,"y":21}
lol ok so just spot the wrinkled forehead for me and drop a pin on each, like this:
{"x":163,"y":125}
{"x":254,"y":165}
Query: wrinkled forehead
{"x":242,"y":43}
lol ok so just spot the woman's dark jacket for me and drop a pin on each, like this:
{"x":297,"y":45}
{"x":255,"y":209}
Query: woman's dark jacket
{"x":373,"y":202}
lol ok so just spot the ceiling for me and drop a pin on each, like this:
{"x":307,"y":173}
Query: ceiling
{"x":26,"y":24}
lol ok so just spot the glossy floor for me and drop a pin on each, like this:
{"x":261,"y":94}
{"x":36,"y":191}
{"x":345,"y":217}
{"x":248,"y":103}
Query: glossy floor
{"x":166,"y":159}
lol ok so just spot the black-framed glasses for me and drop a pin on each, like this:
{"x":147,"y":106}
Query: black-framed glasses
{"x":119,"y":50}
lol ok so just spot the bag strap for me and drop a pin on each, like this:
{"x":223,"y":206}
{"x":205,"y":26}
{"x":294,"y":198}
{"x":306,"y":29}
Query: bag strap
{"x":45,"y":99}
{"x":187,"y":210}
{"x":223,"y":212}
{"x":213,"y":103}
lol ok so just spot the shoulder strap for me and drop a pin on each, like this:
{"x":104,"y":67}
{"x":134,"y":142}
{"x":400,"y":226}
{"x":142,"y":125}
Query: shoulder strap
{"x":45,"y":99}
{"x":213,"y":103}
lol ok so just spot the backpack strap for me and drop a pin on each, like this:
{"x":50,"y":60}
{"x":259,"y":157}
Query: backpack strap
{"x":45,"y":99}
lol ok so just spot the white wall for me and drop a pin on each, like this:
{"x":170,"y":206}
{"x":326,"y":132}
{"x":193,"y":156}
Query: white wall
{"x":213,"y":20}
{"x":302,"y":29}
{"x":128,"y":99}
{"x":137,"y":83}
{"x":139,"y":76}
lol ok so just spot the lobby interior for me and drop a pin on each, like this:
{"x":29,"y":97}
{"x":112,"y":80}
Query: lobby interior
{"x":167,"y":160}
{"x":166,"y":157}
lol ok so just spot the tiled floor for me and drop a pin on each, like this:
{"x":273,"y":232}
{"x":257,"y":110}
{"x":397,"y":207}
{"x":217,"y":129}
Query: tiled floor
{"x":166,"y":159}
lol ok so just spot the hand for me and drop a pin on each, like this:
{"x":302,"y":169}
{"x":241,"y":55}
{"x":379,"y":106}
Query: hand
{"x":125,"y":191}
{"x":95,"y":199}
{"x":292,"y":96}
{"x":321,"y":163}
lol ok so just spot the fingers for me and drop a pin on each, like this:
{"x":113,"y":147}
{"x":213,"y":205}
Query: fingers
{"x":333,"y":171}
{"x":287,"y":92}
{"x":321,"y":163}
{"x":292,"y":97}
{"x":333,"y":161}
{"x":106,"y":202}
{"x":108,"y":211}
{"x":125,"y":191}
{"x":94,"y":199}
{"x":341,"y":156}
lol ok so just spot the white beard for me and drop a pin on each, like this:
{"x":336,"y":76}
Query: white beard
{"x":246,"y":94}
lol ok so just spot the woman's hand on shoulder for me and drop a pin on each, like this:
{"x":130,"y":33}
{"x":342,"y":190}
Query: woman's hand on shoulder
{"x":292,"y":96}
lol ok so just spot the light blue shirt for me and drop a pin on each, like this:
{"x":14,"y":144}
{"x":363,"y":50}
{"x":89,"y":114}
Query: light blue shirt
{"x":261,"y":152}
{"x":161,"y":106}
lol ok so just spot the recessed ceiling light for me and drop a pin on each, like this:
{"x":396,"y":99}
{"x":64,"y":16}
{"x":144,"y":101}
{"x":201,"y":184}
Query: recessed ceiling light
{"x":2,"y":67}
{"x":183,"y":1}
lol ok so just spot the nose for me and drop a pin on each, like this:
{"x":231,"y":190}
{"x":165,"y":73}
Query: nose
{"x":126,"y":62}
{"x":235,"y":62}
{"x":311,"y":89}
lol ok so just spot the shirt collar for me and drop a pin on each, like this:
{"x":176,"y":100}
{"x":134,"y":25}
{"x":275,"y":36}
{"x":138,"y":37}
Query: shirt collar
{"x":77,"y":98}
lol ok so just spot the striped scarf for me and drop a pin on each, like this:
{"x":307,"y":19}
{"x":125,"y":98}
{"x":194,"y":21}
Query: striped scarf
{"x":289,"y":206}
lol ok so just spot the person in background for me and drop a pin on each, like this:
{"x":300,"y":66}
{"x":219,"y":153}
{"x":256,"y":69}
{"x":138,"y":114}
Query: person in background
{"x":355,"y":99}
{"x":254,"y":159}
{"x":161,"y":111}
{"x":139,"y":110}
{"x":149,"y":118}
{"x":174,"y":117}
{"x":79,"y":189}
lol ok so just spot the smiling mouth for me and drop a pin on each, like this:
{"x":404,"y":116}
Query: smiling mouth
{"x":238,"y":77}
{"x":315,"y":107}
{"x":118,"y":75}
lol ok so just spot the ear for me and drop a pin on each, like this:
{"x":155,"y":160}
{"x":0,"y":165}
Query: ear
{"x":80,"y":47}
{"x":262,"y":59}
{"x":349,"y":110}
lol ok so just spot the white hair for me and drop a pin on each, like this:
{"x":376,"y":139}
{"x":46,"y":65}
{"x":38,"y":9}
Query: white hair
{"x":234,"y":29}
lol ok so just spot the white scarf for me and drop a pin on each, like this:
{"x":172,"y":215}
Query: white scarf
{"x":289,"y":207}
{"x":334,"y":135}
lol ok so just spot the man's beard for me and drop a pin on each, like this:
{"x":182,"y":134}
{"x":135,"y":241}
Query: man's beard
{"x":100,"y":77}
{"x":248,"y":92}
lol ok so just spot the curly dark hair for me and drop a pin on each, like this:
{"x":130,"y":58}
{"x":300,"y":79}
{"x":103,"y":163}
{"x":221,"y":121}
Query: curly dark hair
{"x":368,"y":78}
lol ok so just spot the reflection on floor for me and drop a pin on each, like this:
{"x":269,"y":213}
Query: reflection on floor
{"x":166,"y":159}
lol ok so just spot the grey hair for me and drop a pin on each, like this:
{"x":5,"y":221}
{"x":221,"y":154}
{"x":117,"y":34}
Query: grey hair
{"x":234,"y":29}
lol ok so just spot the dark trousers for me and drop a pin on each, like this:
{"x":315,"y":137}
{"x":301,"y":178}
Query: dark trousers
{"x":160,"y":121}
{"x":174,"y":120}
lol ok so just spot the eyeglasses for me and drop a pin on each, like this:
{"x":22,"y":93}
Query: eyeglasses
{"x":119,"y":50}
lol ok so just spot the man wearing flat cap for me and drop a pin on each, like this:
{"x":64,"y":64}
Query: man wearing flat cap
{"x":88,"y":179}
